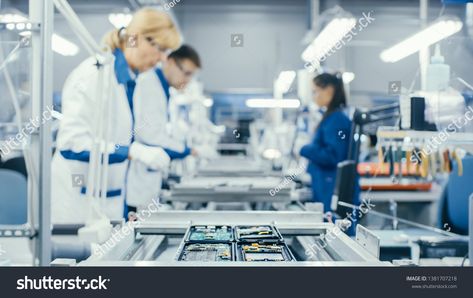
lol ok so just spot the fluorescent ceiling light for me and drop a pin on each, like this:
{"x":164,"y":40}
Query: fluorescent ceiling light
{"x":12,"y":18}
{"x":285,"y":79}
{"x":347,"y":77}
{"x":119,"y":20}
{"x":63,"y":46}
{"x":59,"y":44}
{"x":328,"y":38}
{"x":273,"y":103}
{"x":432,"y":34}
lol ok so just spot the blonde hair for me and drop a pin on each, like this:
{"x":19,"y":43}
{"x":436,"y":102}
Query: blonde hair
{"x":148,"y":22}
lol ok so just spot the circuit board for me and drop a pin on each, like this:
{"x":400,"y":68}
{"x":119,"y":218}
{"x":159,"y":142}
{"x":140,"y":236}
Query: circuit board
{"x":207,"y":252}
{"x":257,"y":252}
{"x":210,"y":234}
{"x":255,"y":233}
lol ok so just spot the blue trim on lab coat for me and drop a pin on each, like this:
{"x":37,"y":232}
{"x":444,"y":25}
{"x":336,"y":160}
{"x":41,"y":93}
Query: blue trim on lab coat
{"x":122,"y":72}
{"x":118,"y":156}
{"x":178,"y":155}
{"x":110,"y":193}
{"x":328,"y":147}
{"x":164,"y":83}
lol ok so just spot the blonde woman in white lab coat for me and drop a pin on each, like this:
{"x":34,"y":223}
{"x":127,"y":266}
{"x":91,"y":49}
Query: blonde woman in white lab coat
{"x":136,"y":49}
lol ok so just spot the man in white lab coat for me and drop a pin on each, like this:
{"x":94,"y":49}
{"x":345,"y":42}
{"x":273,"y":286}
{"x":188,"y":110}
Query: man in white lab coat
{"x":152,"y":123}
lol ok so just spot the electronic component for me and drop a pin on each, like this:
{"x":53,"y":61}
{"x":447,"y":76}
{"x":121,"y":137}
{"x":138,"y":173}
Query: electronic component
{"x":257,"y":233}
{"x":206,"y":252}
{"x":264,"y":252}
{"x":210,"y":234}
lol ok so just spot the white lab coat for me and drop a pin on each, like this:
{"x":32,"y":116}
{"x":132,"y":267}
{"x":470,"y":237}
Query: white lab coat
{"x":151,"y":128}
{"x":79,"y":105}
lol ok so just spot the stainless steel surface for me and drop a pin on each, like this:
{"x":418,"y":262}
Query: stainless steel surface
{"x":41,"y":77}
{"x":233,"y":166}
{"x":368,"y":240}
{"x":176,"y":222}
{"x":408,"y":222}
{"x":230,"y":189}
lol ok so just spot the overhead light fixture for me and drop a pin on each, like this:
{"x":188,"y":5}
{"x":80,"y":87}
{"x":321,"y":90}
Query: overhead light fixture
{"x":347,"y":77}
{"x":15,"y":20}
{"x":437,"y":31}
{"x":273,"y":103}
{"x":63,"y":46}
{"x":285,"y":80}
{"x":12,"y":16}
{"x":327,"y":39}
{"x":119,"y":20}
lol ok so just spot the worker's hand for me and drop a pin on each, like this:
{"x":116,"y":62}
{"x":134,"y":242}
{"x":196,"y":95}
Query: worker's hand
{"x":153,"y":157}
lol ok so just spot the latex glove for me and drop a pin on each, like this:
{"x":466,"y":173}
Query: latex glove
{"x":153,"y":157}
{"x":205,"y":151}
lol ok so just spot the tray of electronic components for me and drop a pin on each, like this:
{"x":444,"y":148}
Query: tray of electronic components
{"x":209,"y":234}
{"x":206,"y":252}
{"x":263,"y":252}
{"x":263,"y":233}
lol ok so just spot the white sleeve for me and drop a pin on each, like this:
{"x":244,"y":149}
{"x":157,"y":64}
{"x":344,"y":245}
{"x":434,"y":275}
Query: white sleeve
{"x":78,"y":108}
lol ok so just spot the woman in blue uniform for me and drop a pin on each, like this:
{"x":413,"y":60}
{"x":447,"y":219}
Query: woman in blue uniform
{"x":330,"y":143}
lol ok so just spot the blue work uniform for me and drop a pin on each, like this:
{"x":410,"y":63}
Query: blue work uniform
{"x":328,"y":147}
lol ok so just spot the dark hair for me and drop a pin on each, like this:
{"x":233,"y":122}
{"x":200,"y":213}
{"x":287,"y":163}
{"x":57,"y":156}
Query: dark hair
{"x":339,"y":101}
{"x":186,"y":52}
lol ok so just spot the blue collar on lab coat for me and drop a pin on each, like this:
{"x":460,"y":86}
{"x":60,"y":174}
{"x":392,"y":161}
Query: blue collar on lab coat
{"x":122,"y":69}
{"x":123,"y":74}
{"x":164,"y":82}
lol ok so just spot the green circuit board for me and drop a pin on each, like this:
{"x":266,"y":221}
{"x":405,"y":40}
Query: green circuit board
{"x":248,"y":233}
{"x":208,"y":252}
{"x":255,"y":252}
{"x":211,"y":233}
